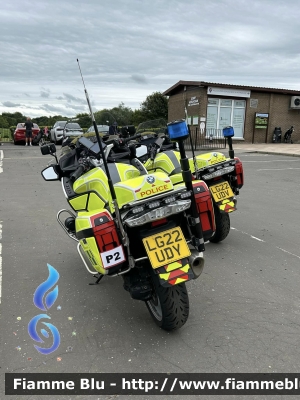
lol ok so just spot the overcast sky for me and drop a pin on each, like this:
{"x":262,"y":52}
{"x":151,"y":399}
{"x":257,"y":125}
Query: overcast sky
{"x":129,"y":49}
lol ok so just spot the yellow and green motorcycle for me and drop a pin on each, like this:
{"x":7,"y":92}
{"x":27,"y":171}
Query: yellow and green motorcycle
{"x":135,"y":224}
{"x":223,"y":176}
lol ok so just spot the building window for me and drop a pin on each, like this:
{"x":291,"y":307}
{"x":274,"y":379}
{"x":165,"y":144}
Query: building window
{"x":193,"y":120}
{"x":226,"y":112}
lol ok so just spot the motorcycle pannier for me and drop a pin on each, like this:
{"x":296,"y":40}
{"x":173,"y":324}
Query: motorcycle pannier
{"x":205,"y":208}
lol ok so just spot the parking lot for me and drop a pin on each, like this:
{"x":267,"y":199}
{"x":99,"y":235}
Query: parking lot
{"x":244,"y":309}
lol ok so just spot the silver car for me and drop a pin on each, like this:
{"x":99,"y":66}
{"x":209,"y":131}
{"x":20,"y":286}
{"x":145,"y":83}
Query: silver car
{"x":101,"y":129}
{"x":72,"y":129}
{"x":56,"y":133}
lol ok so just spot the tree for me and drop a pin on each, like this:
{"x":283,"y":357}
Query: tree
{"x":84,"y":120}
{"x":14,"y":118}
{"x":48,"y":121}
{"x":121,"y":114}
{"x":104,"y":117}
{"x":137,"y":117}
{"x":3,"y":122}
{"x":155,"y":106}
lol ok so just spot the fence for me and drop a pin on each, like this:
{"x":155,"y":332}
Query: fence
{"x":5,"y":135}
{"x":208,"y":139}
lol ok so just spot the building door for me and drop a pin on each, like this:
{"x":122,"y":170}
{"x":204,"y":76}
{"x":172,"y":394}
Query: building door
{"x":226,"y":112}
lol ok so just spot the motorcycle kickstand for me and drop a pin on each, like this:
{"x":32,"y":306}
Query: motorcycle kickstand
{"x":98,"y":279}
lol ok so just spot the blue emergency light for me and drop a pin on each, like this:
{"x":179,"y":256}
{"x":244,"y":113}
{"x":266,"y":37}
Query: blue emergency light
{"x":178,"y":130}
{"x":228,"y":131}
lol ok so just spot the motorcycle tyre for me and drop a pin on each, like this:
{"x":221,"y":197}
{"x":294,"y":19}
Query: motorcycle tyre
{"x":169,"y":306}
{"x":222,"y":226}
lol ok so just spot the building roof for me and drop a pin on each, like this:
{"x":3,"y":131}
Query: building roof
{"x":179,"y":86}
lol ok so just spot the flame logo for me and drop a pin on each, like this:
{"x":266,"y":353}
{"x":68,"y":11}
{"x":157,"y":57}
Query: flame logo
{"x":32,"y":330}
{"x":44,"y":287}
{"x":45,"y":301}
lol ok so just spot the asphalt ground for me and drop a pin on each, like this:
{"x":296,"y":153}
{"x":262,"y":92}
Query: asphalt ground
{"x":244,"y":309}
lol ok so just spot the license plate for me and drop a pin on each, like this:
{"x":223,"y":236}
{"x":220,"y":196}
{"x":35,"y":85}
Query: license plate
{"x":166,"y":247}
{"x":112,"y":257}
{"x":221,"y":191}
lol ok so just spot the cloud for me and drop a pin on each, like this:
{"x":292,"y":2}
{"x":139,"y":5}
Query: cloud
{"x":139,"y":78}
{"x":45,"y":93}
{"x":68,"y":111}
{"x":70,"y":98}
{"x":129,"y":49}
{"x":10,"y":104}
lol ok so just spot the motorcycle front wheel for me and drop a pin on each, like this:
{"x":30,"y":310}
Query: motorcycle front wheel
{"x":169,"y":306}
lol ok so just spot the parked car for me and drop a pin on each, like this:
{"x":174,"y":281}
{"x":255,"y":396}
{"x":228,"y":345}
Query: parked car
{"x":72,"y":129}
{"x":56,"y":133}
{"x":19,"y":133}
{"x":104,"y":129}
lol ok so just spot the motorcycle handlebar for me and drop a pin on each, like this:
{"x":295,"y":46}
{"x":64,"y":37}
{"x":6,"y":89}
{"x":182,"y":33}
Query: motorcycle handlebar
{"x":79,"y":171}
{"x":125,"y":140}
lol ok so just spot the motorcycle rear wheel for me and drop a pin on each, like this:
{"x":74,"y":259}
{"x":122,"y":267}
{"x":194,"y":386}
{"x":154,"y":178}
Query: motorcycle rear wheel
{"x":222,"y":226}
{"x":169,"y":306}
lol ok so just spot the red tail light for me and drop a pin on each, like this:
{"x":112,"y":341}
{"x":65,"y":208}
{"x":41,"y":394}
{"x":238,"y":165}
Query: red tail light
{"x":105,"y":231}
{"x":205,"y":208}
{"x":239,"y":172}
{"x":159,"y":222}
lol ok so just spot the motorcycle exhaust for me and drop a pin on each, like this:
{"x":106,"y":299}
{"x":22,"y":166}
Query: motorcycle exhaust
{"x":196,"y":262}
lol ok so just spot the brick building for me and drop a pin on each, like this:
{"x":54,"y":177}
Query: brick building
{"x":254,"y":112}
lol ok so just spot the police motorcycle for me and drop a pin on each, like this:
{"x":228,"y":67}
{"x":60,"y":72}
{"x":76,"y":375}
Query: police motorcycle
{"x":135,"y":224}
{"x":126,"y":149}
{"x":223,"y":177}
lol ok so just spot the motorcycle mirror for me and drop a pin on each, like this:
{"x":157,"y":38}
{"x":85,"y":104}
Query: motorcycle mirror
{"x":178,"y":130}
{"x":48,"y":149}
{"x":49,"y":174}
{"x":228,"y":131}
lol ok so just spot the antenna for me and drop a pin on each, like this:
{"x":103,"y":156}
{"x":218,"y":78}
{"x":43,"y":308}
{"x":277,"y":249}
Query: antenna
{"x":192,"y":145}
{"x":89,"y":104}
{"x":125,"y":239}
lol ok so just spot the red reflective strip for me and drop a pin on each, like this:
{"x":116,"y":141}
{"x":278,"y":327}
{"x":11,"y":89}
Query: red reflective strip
{"x":159,"y":222}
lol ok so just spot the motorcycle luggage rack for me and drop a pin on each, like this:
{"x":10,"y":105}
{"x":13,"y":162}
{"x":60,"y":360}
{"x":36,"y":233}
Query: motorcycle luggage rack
{"x":61,"y":223}
{"x":84,"y":261}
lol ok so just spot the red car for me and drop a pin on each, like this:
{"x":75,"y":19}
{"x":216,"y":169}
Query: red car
{"x":19,"y":133}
